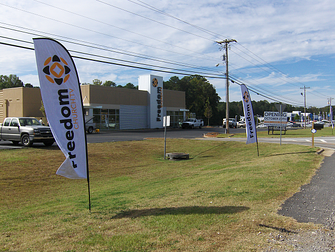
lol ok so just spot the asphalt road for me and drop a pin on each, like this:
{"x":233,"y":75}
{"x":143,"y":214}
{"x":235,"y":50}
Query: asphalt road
{"x":316,"y":201}
{"x":133,"y":135}
{"x":137,"y":135}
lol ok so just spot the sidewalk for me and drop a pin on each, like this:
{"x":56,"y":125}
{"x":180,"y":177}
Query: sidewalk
{"x":316,"y":201}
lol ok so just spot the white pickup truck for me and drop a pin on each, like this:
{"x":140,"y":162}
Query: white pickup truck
{"x":232,"y":123}
{"x":26,"y":130}
{"x":192,"y":123}
{"x":89,"y":124}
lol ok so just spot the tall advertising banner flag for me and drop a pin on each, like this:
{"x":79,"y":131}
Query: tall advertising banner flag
{"x":60,"y":90}
{"x":331,"y":115}
{"x":249,"y":116}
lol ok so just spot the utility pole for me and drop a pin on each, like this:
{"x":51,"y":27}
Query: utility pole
{"x":226,"y":43}
{"x":305,"y":117}
{"x":331,"y":113}
{"x":330,"y":107}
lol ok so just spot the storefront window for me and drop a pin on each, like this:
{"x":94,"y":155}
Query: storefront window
{"x":106,"y":118}
{"x":176,"y":118}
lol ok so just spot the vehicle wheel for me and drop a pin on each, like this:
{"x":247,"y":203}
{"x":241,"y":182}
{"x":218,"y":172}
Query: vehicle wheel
{"x":48,"y":143}
{"x":15,"y":142}
{"x":25,"y":140}
{"x":200,"y":127}
{"x":90,"y":130}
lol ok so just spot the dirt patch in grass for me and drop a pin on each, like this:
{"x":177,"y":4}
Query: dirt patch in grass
{"x":211,"y":134}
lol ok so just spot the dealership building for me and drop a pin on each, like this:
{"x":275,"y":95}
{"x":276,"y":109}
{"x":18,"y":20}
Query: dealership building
{"x":110,"y":107}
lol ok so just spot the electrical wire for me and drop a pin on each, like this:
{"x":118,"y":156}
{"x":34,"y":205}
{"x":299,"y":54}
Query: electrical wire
{"x":254,"y":56}
{"x":143,"y":65}
{"x":123,"y":29}
{"x":232,"y":79}
{"x":96,"y":46}
{"x":153,"y":20}
{"x":172,"y":71}
{"x":97,"y":32}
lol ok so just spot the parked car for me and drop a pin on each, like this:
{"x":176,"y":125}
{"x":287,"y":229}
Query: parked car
{"x":293,"y":124}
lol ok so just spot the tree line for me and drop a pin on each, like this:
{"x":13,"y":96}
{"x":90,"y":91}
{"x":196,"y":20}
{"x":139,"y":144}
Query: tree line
{"x":12,"y":80}
{"x":109,"y":83}
{"x":201,"y":97}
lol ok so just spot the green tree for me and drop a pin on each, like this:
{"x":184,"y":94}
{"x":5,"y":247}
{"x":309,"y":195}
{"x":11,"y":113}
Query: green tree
{"x":10,"y":81}
{"x":42,"y":109}
{"x":97,"y":82}
{"x":109,"y":84}
{"x":28,"y":85}
{"x":208,"y":111}
{"x":197,"y":90}
{"x":130,"y":86}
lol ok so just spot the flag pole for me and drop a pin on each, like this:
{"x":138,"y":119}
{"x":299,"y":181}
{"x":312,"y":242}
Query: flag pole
{"x":257,"y":142}
{"x":88,"y":176}
{"x":87,"y":169}
{"x":89,"y":192}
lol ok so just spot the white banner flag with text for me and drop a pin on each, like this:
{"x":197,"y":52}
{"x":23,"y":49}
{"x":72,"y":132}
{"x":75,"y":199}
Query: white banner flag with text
{"x":249,"y":116}
{"x":61,"y":95}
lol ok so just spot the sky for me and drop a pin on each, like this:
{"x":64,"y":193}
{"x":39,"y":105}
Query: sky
{"x":281,"y":46}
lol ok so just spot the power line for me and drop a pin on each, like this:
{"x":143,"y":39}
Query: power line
{"x":173,"y":71}
{"x":149,"y":57}
{"x":233,"y":80}
{"x":254,"y":56}
{"x":153,"y":20}
{"x":150,"y":7}
{"x":96,"y":46}
{"x":259,"y":92}
{"x":101,"y":33}
{"x":111,"y":25}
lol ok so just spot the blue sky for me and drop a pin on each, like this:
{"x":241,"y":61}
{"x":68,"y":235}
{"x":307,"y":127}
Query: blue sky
{"x":281,"y":46}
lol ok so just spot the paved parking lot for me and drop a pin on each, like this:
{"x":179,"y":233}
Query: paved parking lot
{"x":136,"y":135}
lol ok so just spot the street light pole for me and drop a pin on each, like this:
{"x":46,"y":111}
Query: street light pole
{"x":226,"y":43}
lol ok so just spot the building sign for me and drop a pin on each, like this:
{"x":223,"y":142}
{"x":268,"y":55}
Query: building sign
{"x":274,"y":118}
{"x":154,"y":85}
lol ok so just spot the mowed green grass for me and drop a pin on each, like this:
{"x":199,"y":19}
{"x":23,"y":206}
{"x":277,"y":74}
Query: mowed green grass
{"x":218,"y":200}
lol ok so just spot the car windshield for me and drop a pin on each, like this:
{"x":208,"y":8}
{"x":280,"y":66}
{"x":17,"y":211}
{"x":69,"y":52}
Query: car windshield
{"x":29,"y":121}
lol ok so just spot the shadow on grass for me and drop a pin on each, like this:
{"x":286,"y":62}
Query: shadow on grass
{"x":180,"y":211}
{"x":209,"y":149}
{"x":290,"y":153}
{"x":284,"y":230}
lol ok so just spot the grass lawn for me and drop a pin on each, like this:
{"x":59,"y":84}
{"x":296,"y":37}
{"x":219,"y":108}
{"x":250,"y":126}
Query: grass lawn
{"x":224,"y":198}
{"x":294,"y":132}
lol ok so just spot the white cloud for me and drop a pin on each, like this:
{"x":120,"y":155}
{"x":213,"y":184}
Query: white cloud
{"x":285,"y":32}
